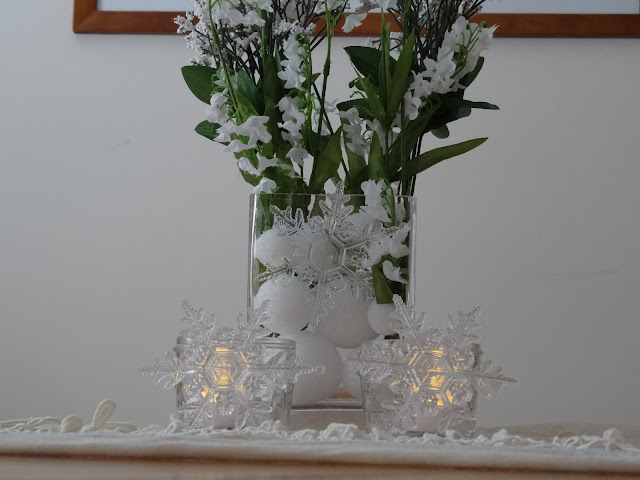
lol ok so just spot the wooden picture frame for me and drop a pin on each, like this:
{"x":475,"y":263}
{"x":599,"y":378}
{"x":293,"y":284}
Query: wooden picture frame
{"x":88,"y":19}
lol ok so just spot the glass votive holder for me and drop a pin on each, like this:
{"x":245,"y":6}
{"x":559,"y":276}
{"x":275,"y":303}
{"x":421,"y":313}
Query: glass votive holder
{"x":418,"y":390}
{"x":236,"y":385}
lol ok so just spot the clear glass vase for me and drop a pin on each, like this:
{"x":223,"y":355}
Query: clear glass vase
{"x":235,"y":392}
{"x":330,"y":264}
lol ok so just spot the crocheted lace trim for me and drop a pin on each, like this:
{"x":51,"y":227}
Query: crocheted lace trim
{"x":610,"y":442}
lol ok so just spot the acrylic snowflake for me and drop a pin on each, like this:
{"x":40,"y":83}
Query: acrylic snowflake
{"x":427,"y":374}
{"x":329,"y":253}
{"x":222,"y":376}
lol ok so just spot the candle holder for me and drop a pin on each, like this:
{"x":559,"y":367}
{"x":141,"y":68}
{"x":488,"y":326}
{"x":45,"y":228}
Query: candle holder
{"x":233,"y":384}
{"x":230,"y":379}
{"x":417,"y":393}
{"x":426,"y":381}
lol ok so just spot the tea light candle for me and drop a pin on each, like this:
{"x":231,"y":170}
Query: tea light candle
{"x":429,"y":424}
{"x":220,"y":417}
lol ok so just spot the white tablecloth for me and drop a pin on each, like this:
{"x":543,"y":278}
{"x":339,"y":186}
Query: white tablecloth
{"x":568,"y":447}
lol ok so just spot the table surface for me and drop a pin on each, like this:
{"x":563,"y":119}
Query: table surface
{"x":71,"y":468}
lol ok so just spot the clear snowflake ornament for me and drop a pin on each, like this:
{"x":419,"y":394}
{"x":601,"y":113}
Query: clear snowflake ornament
{"x":228,"y":379}
{"x":427,"y":380}
{"x":329,"y":251}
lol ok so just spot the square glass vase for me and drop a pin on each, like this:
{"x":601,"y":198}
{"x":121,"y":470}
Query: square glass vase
{"x":329,"y":264}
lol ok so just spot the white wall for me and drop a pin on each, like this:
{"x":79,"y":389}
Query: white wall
{"x":112,"y":211}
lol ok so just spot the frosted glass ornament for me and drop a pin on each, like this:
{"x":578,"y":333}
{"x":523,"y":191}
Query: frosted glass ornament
{"x":346,"y":324}
{"x":351,"y":379}
{"x":312,"y":349}
{"x":379,"y":316}
{"x":289,"y":310}
{"x":271,"y":248}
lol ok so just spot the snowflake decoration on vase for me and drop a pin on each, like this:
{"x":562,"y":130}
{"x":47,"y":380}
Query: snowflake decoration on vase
{"x":226,"y":378}
{"x":427,"y":380}
{"x":331,"y":253}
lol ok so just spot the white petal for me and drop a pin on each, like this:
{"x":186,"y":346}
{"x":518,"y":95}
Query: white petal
{"x":266,"y":185}
{"x":352,"y":21}
{"x":391,"y":272}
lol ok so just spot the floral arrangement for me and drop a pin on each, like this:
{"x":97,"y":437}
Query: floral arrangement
{"x":253,"y":67}
{"x":321,"y":258}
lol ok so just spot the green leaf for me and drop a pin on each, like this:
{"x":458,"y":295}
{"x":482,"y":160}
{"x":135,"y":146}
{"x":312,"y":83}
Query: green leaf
{"x":208,"y":129}
{"x":448,"y":111}
{"x":366,"y":60}
{"x":410,"y":136}
{"x":433,"y":157}
{"x":250,"y":91}
{"x":353,"y":185}
{"x":373,"y":102}
{"x":245,"y":106}
{"x":360,"y":104}
{"x":384,"y":69}
{"x":198,"y":79}
{"x":442,"y":132}
{"x":250,"y":179}
{"x":400,"y":79}
{"x":355,"y":161}
{"x":326,"y":164}
{"x":462,"y":103}
{"x":316,"y":142}
{"x":271,"y":84}
{"x":383,"y":292}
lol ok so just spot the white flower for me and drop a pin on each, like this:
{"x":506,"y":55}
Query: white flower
{"x":352,"y":21}
{"x":245,"y":165}
{"x":365,"y":7}
{"x":356,"y":143}
{"x":411,"y":105}
{"x":391,"y":272}
{"x":386,"y":4}
{"x":375,"y":126}
{"x":397,"y":247}
{"x":264,"y":5}
{"x":263,"y":163}
{"x":351,"y":115}
{"x":353,"y":131}
{"x":217,"y":112}
{"x":377,"y":250}
{"x":236,"y":146}
{"x":373,"y":200}
{"x":254,"y":128}
{"x":393,"y":245}
{"x":330,"y":4}
{"x":292,"y":71}
{"x":291,"y":77}
{"x":225,"y":131}
{"x":475,"y":38}
{"x":371,"y":189}
{"x":225,"y":13}
{"x":266,"y":185}
{"x":297,"y":155}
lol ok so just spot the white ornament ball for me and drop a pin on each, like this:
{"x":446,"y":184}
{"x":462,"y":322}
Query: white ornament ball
{"x":289,"y":309}
{"x":271,"y":248}
{"x":346,"y":324}
{"x":351,"y":379}
{"x":313,"y":350}
{"x":380,"y":317}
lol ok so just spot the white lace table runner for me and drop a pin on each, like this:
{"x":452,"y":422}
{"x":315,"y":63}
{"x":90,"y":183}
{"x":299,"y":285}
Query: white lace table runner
{"x":541,"y":447}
